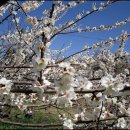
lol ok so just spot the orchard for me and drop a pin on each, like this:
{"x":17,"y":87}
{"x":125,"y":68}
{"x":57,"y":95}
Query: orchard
{"x":86,"y":89}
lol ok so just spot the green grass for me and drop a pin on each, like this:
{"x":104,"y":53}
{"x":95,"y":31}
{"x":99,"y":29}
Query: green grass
{"x":51,"y":115}
{"x":41,"y":116}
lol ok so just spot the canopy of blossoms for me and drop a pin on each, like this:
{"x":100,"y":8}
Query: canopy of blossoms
{"x":96,"y":86}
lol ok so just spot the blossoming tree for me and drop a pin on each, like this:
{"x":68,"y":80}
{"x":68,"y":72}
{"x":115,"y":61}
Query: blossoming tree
{"x":95,"y":88}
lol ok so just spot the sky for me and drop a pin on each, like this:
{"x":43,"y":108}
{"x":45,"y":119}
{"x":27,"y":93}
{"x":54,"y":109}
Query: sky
{"x":118,"y":11}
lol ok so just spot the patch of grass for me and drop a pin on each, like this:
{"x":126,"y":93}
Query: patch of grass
{"x":41,"y":116}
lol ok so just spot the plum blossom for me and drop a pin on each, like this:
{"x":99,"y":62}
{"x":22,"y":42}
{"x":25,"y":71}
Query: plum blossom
{"x":7,"y":83}
{"x":71,"y":94}
{"x":3,"y":9}
{"x":84,"y":83}
{"x":107,"y":81}
{"x":22,"y":107}
{"x":16,"y":20}
{"x":72,"y":4}
{"x":68,"y":124}
{"x":97,"y":111}
{"x":108,"y":115}
{"x":72,"y":78}
{"x":39,"y":63}
{"x":88,"y":85}
{"x":79,"y":117}
{"x":38,"y":46}
{"x":20,"y":102}
{"x":89,"y":114}
{"x":65,"y":83}
{"x":121,"y":123}
{"x":97,"y":100}
{"x":14,"y":12}
{"x":123,"y":110}
{"x":88,"y":97}
{"x":32,"y":20}
{"x":47,"y":30}
{"x":45,"y":81}
{"x":94,"y":6}
{"x":20,"y":56}
{"x":125,"y":90}
{"x":63,"y":101}
{"x":79,"y":16}
{"x":31,"y":5}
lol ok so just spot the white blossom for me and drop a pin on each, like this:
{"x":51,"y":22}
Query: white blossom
{"x":63,"y":101}
{"x":32,"y":20}
{"x":68,"y":124}
{"x":121,"y":123}
{"x":7,"y":83}
{"x":47,"y":30}
{"x":107,"y":81}
{"x":79,"y":16}
{"x":72,"y":4}
{"x":39,"y":63}
{"x":14,"y":12}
